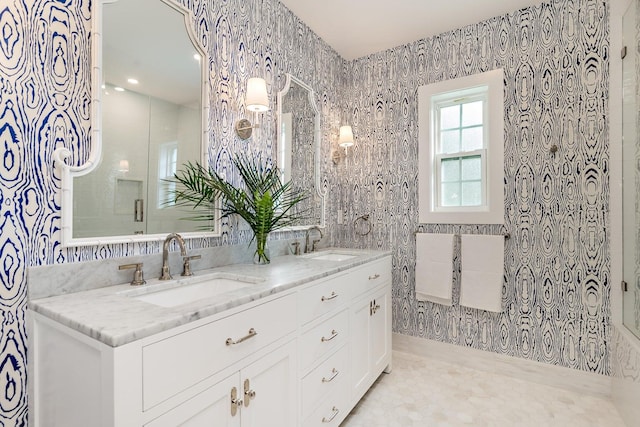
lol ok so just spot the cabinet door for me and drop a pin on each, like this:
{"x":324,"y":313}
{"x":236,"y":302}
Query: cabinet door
{"x":270,"y":389}
{"x":359,"y":345}
{"x":209,"y":408}
{"x":380,"y":330}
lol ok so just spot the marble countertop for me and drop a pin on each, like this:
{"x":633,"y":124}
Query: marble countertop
{"x":114,"y":317}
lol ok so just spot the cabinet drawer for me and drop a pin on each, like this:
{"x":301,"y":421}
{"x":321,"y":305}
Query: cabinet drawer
{"x":324,"y":380}
{"x":323,"y":338}
{"x":178,"y":362}
{"x":322,"y":298}
{"x":370,"y":276}
{"x":332,"y":411}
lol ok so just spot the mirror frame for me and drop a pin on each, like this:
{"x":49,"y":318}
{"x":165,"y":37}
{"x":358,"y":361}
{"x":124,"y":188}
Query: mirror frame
{"x":316,"y":142}
{"x":68,"y":172}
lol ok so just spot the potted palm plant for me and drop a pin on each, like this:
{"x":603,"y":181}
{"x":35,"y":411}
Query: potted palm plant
{"x":263,"y":201}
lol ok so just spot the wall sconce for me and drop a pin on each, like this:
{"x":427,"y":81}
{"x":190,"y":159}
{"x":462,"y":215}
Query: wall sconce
{"x":123,"y":166}
{"x":345,"y":140}
{"x":257,"y":101}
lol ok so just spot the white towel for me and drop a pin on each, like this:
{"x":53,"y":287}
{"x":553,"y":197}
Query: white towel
{"x":482,"y":272}
{"x":434,"y":267}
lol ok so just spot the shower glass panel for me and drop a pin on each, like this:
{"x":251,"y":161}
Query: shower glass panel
{"x":631,"y":173}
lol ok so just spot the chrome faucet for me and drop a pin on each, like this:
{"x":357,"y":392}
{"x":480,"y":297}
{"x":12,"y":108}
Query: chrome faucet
{"x":166,"y":275}
{"x":306,"y":239}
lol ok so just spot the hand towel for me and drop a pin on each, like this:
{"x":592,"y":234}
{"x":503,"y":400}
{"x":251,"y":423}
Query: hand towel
{"x":434,"y":267}
{"x":482,"y":272}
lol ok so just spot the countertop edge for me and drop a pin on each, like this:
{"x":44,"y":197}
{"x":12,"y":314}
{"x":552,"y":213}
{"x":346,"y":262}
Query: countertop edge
{"x":74,"y":310}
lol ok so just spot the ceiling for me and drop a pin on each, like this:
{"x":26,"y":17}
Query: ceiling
{"x":159,"y":56}
{"x":356,"y":28}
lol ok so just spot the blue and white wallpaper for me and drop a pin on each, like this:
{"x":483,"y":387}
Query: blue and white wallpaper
{"x":555,"y":57}
{"x":45,"y":93}
{"x":557,"y":277}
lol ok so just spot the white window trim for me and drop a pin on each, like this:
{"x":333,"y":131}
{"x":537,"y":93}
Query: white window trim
{"x":493,"y":212}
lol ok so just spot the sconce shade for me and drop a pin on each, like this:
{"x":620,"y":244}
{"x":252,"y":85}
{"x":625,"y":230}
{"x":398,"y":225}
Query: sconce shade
{"x":346,"y":136}
{"x":257,"y":98}
{"x":123,"y":166}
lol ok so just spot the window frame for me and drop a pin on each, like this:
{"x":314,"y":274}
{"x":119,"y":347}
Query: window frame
{"x":488,"y":86}
{"x":437,"y":186}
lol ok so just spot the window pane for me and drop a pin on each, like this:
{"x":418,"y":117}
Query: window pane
{"x":450,"y":170}
{"x":471,"y":168}
{"x":450,"y":194}
{"x":472,"y":193}
{"x":472,"y":139}
{"x":450,"y":117}
{"x":472,"y":113}
{"x":450,"y":141}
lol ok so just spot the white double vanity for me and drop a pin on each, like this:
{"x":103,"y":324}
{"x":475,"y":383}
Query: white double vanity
{"x":294,"y":343}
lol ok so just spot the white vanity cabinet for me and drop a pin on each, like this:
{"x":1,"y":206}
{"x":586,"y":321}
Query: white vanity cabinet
{"x":346,"y":343}
{"x":370,"y":339}
{"x":262,"y":393}
{"x":183,"y":376}
{"x":303,"y":356}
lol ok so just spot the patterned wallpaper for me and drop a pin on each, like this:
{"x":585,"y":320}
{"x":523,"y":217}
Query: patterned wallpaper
{"x":555,"y":58}
{"x":557,"y":282}
{"x":45,"y":104}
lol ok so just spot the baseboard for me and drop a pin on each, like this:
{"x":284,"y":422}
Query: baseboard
{"x":541,"y":373}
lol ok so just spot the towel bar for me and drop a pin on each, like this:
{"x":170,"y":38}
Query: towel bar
{"x":506,"y":235}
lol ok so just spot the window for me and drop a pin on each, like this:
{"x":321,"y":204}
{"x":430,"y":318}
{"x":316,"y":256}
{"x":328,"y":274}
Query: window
{"x":461,"y":150}
{"x":167,"y":167}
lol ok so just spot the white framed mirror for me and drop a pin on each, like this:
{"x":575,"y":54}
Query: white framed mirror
{"x":298,"y":147}
{"x":150,"y":114}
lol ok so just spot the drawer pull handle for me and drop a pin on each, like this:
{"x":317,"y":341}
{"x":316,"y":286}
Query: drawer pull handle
{"x":330,"y":297}
{"x":334,"y":411}
{"x":334,"y":334}
{"x":252,"y":333}
{"x":334,"y":373}
{"x":374,"y":277}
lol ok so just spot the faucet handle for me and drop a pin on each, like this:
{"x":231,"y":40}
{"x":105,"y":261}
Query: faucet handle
{"x":138,"y":275}
{"x":296,"y":248}
{"x":186,"y":267}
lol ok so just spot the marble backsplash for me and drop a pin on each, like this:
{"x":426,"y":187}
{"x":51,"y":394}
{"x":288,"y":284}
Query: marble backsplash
{"x":58,"y":279}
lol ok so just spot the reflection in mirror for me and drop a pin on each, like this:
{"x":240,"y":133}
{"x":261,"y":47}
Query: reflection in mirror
{"x":298,"y":146}
{"x":152,"y":122}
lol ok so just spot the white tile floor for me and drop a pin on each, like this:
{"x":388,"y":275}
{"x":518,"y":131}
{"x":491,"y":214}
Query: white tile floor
{"x":425,"y":392}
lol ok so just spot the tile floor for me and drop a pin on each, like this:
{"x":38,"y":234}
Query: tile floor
{"x":425,"y":392}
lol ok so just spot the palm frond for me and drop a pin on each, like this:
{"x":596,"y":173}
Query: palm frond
{"x":264,"y":202}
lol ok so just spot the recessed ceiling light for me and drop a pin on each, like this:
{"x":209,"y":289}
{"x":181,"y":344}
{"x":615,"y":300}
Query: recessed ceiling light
{"x":118,"y":88}
{"x":133,"y":81}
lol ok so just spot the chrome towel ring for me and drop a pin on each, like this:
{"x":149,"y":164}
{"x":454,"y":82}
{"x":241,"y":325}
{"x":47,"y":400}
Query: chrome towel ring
{"x":364,"y":229}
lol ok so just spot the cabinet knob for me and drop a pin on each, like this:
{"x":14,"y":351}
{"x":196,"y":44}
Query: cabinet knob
{"x":235,"y":402}
{"x":249,"y":394}
{"x":374,"y":277}
{"x":373,"y":307}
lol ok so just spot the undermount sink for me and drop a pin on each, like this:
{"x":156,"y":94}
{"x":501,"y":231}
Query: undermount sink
{"x":179,"y":293}
{"x":333,"y":255}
